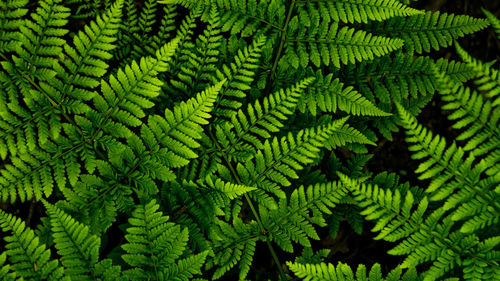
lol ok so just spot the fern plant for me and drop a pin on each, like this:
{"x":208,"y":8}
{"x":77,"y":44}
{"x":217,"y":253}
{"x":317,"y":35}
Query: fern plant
{"x":205,"y":140}
{"x":452,"y":229}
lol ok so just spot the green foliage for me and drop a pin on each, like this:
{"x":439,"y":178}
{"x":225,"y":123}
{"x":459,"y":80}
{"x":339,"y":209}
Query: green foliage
{"x":461,"y":231}
{"x":198,"y":131}
{"x":342,"y":271}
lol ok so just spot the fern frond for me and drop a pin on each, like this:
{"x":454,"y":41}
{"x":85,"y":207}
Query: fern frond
{"x":494,"y":21}
{"x":127,"y":94}
{"x":30,"y":259}
{"x":167,"y":26}
{"x":234,"y":244}
{"x":6,"y":273}
{"x":96,"y":196}
{"x":79,"y":250}
{"x":431,"y":30}
{"x":346,"y":135}
{"x":31,"y":175}
{"x":245,"y":17}
{"x":488,"y":77}
{"x":164,"y":144}
{"x":330,"y":95}
{"x":263,"y":118}
{"x":154,"y":244}
{"x":292,"y":220}
{"x":279,"y":160}
{"x":442,"y":163}
{"x":447,"y":168}
{"x":239,"y":75}
{"x":352,"y":11}
{"x":40,"y":44}
{"x":185,"y":269}
{"x":330,"y":272}
{"x":472,"y":112}
{"x":331,"y":44}
{"x":227,"y":189}
{"x":197,"y":72}
{"x":11,"y":13}
{"x":120,"y":107}
{"x":88,"y":8}
{"x":426,"y":236}
{"x":147,"y":18}
{"x":83,"y":65}
{"x":181,"y":128}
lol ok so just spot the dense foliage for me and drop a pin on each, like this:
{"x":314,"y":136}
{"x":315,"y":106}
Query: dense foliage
{"x":168,"y":140}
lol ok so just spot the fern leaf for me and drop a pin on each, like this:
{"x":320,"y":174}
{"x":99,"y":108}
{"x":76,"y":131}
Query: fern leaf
{"x":79,"y":249}
{"x":47,"y":23}
{"x":425,"y":237}
{"x":330,"y":272}
{"x":488,"y":77}
{"x":446,"y":166}
{"x":346,"y":135}
{"x":6,"y":273}
{"x":330,"y":95}
{"x":30,"y":259}
{"x":85,"y":63}
{"x":181,"y":127}
{"x":279,"y":160}
{"x":352,"y":11}
{"x":127,"y":95}
{"x":432,"y":30}
{"x":264,"y":118}
{"x":494,"y":21}
{"x":334,"y":44}
{"x":147,"y":17}
{"x":234,"y":244}
{"x":40,"y":45}
{"x":245,"y":17}
{"x":201,"y":64}
{"x":239,"y":75}
{"x":472,"y":112}
{"x":154,"y":245}
{"x":10,"y":22}
{"x":185,"y":269}
{"x":292,"y":221}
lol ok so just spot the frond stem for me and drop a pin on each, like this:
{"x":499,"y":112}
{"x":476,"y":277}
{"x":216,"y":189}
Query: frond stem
{"x":282,"y":40}
{"x":252,"y":207}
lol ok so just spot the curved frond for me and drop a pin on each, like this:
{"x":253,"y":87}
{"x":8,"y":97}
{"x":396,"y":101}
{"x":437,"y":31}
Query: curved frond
{"x":328,"y":43}
{"x":432,"y":30}
{"x":352,"y":11}
{"x":488,"y":78}
{"x":494,"y":21}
